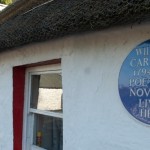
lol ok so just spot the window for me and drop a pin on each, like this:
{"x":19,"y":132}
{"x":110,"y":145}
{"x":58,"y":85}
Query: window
{"x":43,"y":115}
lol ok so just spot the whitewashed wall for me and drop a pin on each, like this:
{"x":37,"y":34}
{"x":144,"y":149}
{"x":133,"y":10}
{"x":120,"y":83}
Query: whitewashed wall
{"x":94,"y":117}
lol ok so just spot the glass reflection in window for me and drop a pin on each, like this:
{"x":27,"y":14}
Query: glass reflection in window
{"x":48,"y":132}
{"x":46,"y":92}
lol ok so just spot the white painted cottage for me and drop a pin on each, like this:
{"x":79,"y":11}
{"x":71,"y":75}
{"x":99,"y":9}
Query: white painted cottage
{"x":59,"y":74}
{"x":2,"y":6}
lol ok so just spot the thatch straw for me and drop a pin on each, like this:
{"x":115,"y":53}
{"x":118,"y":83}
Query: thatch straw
{"x":67,"y":17}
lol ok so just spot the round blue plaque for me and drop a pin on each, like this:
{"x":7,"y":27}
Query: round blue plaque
{"x":134,"y":82}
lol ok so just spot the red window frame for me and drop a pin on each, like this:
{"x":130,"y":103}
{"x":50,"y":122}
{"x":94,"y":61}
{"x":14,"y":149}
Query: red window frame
{"x":18,"y":99}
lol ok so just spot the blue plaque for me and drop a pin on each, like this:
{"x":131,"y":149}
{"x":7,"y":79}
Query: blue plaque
{"x":134,"y":82}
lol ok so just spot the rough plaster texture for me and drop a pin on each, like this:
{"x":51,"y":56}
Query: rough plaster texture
{"x":94,"y":117}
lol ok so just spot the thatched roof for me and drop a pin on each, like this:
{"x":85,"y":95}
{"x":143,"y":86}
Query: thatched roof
{"x":65,"y":17}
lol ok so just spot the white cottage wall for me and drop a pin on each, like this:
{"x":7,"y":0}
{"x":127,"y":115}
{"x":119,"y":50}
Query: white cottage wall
{"x":94,"y":116}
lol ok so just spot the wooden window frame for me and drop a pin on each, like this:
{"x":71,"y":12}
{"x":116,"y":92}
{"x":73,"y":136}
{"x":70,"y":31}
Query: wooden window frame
{"x":18,"y":98}
{"x":29,"y":112}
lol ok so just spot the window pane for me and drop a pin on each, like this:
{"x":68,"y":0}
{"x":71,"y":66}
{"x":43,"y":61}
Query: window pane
{"x":46,"y":92}
{"x":48,"y":132}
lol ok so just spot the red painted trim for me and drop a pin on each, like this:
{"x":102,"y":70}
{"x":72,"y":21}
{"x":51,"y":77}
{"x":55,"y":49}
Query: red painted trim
{"x":43,"y":63}
{"x":18,"y":102}
{"x":18,"y":99}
